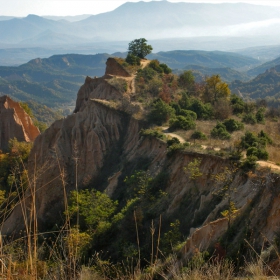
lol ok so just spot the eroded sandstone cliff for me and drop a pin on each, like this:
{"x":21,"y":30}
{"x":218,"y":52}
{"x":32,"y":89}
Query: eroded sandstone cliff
{"x":15,"y":123}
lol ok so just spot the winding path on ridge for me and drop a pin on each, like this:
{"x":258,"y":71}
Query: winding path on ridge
{"x":166,"y":132}
{"x":261,"y":163}
{"x":131,"y":80}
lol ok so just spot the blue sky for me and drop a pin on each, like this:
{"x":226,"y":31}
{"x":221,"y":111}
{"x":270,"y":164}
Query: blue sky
{"x":73,"y":7}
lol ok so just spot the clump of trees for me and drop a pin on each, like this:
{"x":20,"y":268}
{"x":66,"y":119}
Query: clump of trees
{"x":138,"y":49}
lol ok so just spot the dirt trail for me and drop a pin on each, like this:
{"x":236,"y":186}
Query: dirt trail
{"x":165,"y":131}
{"x":144,"y":63}
{"x":269,"y":164}
{"x":131,"y":80}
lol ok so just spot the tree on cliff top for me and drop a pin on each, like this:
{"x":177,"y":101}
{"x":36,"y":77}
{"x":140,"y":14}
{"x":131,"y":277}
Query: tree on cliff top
{"x":139,"y":48}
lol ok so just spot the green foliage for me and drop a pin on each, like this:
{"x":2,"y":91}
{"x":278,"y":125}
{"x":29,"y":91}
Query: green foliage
{"x":165,"y":68}
{"x":132,"y":59}
{"x":186,"y":80}
{"x":237,"y":104}
{"x":260,"y":115}
{"x":185,"y":101}
{"x":20,"y":149}
{"x":93,"y":206}
{"x":198,"y":135}
{"x":160,"y":112}
{"x":159,"y":67}
{"x":172,"y":141}
{"x":152,"y":133}
{"x":233,"y":125}
{"x":249,"y":163}
{"x":259,"y":153}
{"x":139,"y":48}
{"x":188,"y":114}
{"x":264,"y":138}
{"x":181,"y":122}
{"x":154,"y":86}
{"x":172,"y":238}
{"x":193,"y":169}
{"x":41,"y":125}
{"x":220,"y":132}
{"x":176,"y":147}
{"x":255,"y":146}
{"x":249,"y":118}
{"x":146,"y":73}
{"x":249,"y":140}
{"x":202,"y":110}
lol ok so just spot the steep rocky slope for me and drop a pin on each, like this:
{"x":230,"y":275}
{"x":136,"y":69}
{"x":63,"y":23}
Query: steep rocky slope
{"x":98,"y":145}
{"x":15,"y":123}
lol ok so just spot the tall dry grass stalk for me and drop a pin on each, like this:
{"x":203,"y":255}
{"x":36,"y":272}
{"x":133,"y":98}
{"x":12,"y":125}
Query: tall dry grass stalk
{"x":20,"y":256}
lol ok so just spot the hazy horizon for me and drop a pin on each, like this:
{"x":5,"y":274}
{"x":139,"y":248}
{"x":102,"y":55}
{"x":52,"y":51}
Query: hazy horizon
{"x":22,"y":8}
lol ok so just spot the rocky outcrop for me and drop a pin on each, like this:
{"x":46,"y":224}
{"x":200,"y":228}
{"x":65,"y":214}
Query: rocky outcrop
{"x":201,"y":239}
{"x":96,"y":88}
{"x":115,"y":69}
{"x":15,"y":123}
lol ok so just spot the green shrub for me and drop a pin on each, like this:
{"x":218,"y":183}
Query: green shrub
{"x":259,"y":153}
{"x":186,"y":80}
{"x":220,"y":132}
{"x":147,"y":74}
{"x":264,"y":138}
{"x":132,"y":59}
{"x":202,"y":110}
{"x":188,"y":114}
{"x":249,"y":118}
{"x":176,"y":147}
{"x":249,"y":163}
{"x":198,"y":135}
{"x":260,"y":115}
{"x":249,"y":140}
{"x":159,"y":67}
{"x":154,"y":64}
{"x":160,"y":112}
{"x":235,"y":155}
{"x":181,"y":122}
{"x":173,"y":140}
{"x":185,"y":101}
{"x":233,"y":125}
{"x":92,"y":206}
{"x":152,"y":133}
{"x":237,"y":104}
{"x":165,"y":68}
{"x":176,"y":107}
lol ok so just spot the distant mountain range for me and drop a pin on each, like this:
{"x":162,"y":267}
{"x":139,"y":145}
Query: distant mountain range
{"x":215,"y":59}
{"x":264,"y":86}
{"x":52,"y":81}
{"x":152,"y":20}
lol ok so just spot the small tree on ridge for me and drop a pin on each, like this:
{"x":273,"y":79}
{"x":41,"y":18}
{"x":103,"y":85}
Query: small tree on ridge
{"x":139,"y":48}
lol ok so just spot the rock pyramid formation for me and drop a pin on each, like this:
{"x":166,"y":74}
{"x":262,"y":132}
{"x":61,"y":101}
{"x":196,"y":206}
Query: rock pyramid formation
{"x":15,"y":123}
